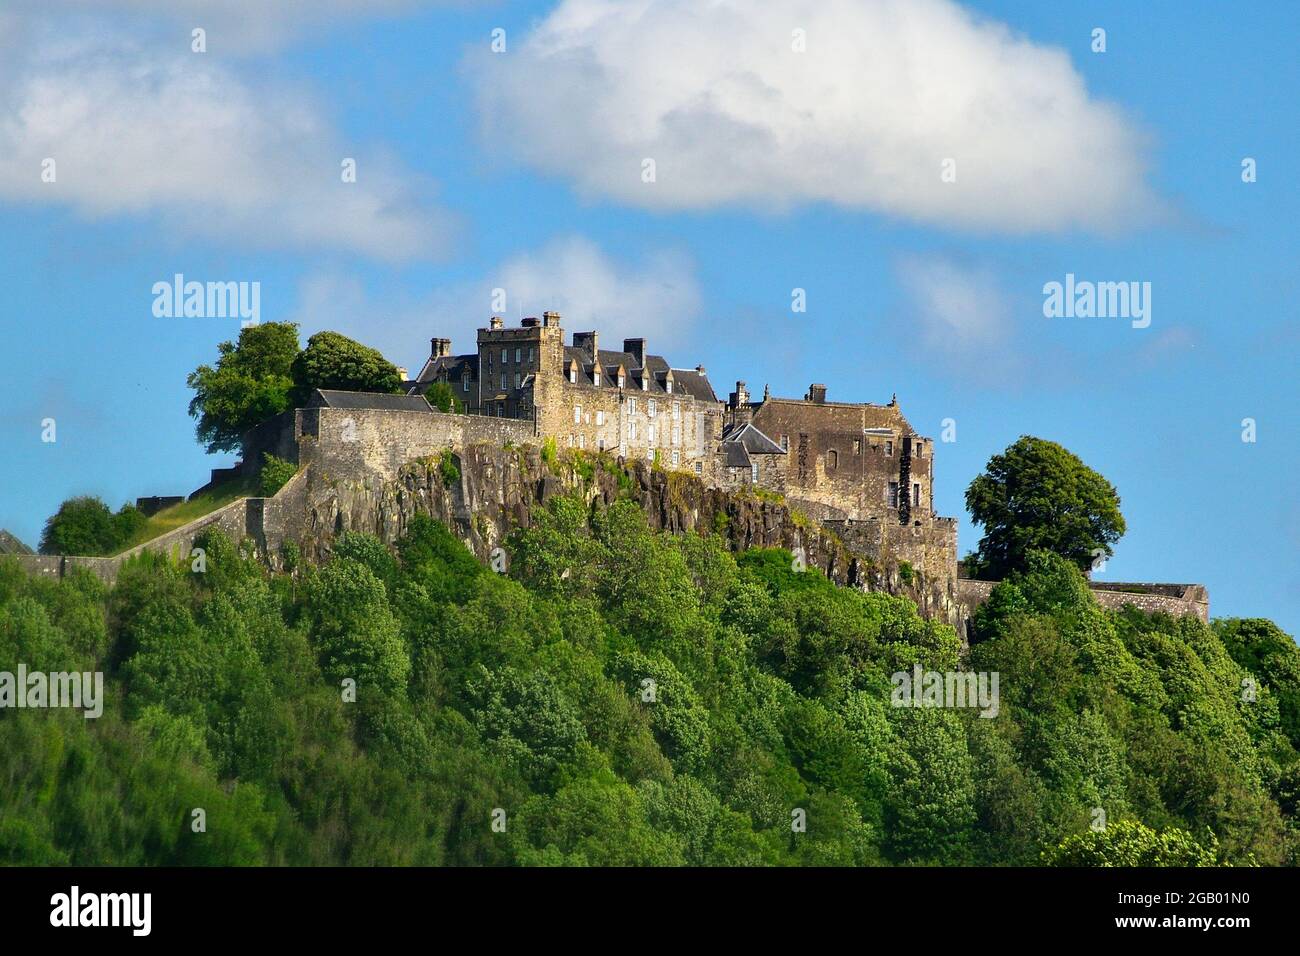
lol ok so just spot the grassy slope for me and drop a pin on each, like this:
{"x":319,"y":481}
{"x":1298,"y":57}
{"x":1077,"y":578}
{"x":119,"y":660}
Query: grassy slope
{"x":207,"y":501}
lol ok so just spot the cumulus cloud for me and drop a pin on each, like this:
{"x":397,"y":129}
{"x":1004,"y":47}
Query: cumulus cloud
{"x":658,"y":298}
{"x":884,"y":92}
{"x":136,"y":131}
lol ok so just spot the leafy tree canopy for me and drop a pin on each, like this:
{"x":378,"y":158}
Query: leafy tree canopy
{"x":332,"y":360}
{"x":1037,"y":495}
{"x":85,"y":526}
{"x":250,"y":383}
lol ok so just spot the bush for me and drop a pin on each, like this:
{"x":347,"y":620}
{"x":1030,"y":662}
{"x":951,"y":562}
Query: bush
{"x":276,"y":473}
{"x":84,"y":526}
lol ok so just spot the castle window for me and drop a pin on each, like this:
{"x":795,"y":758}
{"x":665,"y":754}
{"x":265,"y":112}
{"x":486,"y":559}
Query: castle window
{"x":668,"y":387}
{"x":516,"y":379}
{"x":889,"y":450}
{"x":832,"y":459}
{"x":503,"y":379}
{"x":505,"y":356}
{"x":785,"y":442}
{"x":677,"y":434}
{"x":519,"y":355}
{"x":530,"y":355}
{"x":595,"y":375}
{"x":753,"y":473}
{"x":916,"y":495}
{"x":622,"y":380}
{"x":600,"y":444}
{"x":464,"y":384}
{"x":893,"y":494}
{"x":699,"y":468}
{"x":631,"y":406}
{"x":650,"y":407}
{"x":650,"y":435}
{"x":677,"y":457}
{"x":645,"y":380}
{"x":631,"y":431}
{"x":677,"y":410}
{"x":857,"y":446}
{"x":573,"y":375}
{"x":600,"y":417}
{"x":582,"y":441}
{"x":577,"y":414}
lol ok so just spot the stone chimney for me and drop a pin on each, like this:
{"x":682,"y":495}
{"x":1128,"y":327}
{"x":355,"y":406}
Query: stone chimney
{"x":637,"y":348}
{"x":439,"y":348}
{"x":550,"y":319}
{"x":701,"y":370}
{"x":816,"y":394}
{"x":589,"y":343}
{"x":740,"y":396}
{"x":496,"y":322}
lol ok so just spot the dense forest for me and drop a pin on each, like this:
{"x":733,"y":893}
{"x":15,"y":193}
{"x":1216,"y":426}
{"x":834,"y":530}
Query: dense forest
{"x":624,"y":697}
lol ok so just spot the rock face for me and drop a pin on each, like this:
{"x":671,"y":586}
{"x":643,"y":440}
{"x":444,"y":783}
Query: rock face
{"x":485,"y":491}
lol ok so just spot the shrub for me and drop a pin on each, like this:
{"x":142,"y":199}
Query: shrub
{"x":276,"y":473}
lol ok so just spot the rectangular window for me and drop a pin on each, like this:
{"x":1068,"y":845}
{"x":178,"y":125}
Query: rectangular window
{"x":650,"y":435}
{"x":857,"y":446}
{"x":916,"y":496}
{"x":582,"y":441}
{"x":677,"y":434}
{"x":631,"y":431}
{"x":889,"y":449}
{"x":631,"y":406}
{"x":530,"y":355}
{"x":595,"y":376}
{"x":753,"y":473}
{"x":677,"y":410}
{"x":600,"y":417}
{"x":516,"y":379}
{"x":918,"y":450}
{"x":519,"y":355}
{"x":893,"y":494}
{"x":505,"y":356}
{"x":621,"y":380}
{"x":699,"y":468}
{"x":650,"y":407}
{"x":677,"y":457}
{"x":464,"y":385}
{"x":503,"y":379}
{"x":600,"y":444}
{"x":577,"y":414}
{"x":785,"y":442}
{"x":668,"y":387}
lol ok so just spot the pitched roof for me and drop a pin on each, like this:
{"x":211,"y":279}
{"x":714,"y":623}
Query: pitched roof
{"x":751,"y":439}
{"x":450,"y":364}
{"x":690,"y":382}
{"x":329,"y":398}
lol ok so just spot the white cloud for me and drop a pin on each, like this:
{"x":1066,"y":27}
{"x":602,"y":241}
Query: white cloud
{"x":658,"y":299}
{"x":886,"y":90}
{"x":961,"y":308}
{"x":135,"y":131}
{"x":240,"y":26}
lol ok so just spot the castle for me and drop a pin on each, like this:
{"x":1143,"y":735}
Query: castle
{"x":858,"y":468}
{"x":851,"y":483}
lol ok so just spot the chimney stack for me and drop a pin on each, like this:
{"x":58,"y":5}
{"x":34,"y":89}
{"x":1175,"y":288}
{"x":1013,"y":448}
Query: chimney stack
{"x":551,"y":319}
{"x":637,"y":349}
{"x":496,"y":322}
{"x":439,"y":348}
{"x":740,"y":396}
{"x":816,"y":394}
{"x":589,"y":344}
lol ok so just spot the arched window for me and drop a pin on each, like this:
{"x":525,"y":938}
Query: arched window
{"x":832,"y":459}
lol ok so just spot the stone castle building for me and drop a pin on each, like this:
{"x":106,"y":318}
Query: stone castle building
{"x":858,"y":468}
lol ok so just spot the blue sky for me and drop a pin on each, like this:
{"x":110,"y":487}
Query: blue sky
{"x":775,"y":171}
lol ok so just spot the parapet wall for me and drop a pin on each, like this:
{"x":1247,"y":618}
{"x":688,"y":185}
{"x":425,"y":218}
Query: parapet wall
{"x":1176,"y":600}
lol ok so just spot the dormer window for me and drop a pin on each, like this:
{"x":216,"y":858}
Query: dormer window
{"x":622,"y":380}
{"x":645,"y":381}
{"x":595,"y":376}
{"x":573,"y":373}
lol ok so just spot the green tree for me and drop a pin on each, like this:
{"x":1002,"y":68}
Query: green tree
{"x":1130,"y":843}
{"x":84,"y":525}
{"x":441,"y":397}
{"x":332,"y":360}
{"x":250,"y":383}
{"x":1036,"y":494}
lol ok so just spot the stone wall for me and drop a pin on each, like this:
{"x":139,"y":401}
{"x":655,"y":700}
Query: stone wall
{"x":1176,"y":600}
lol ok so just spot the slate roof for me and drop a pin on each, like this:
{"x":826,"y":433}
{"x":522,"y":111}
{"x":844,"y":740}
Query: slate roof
{"x":329,"y":398}
{"x":752,"y":439}
{"x":690,"y":382}
{"x":452,"y":364}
